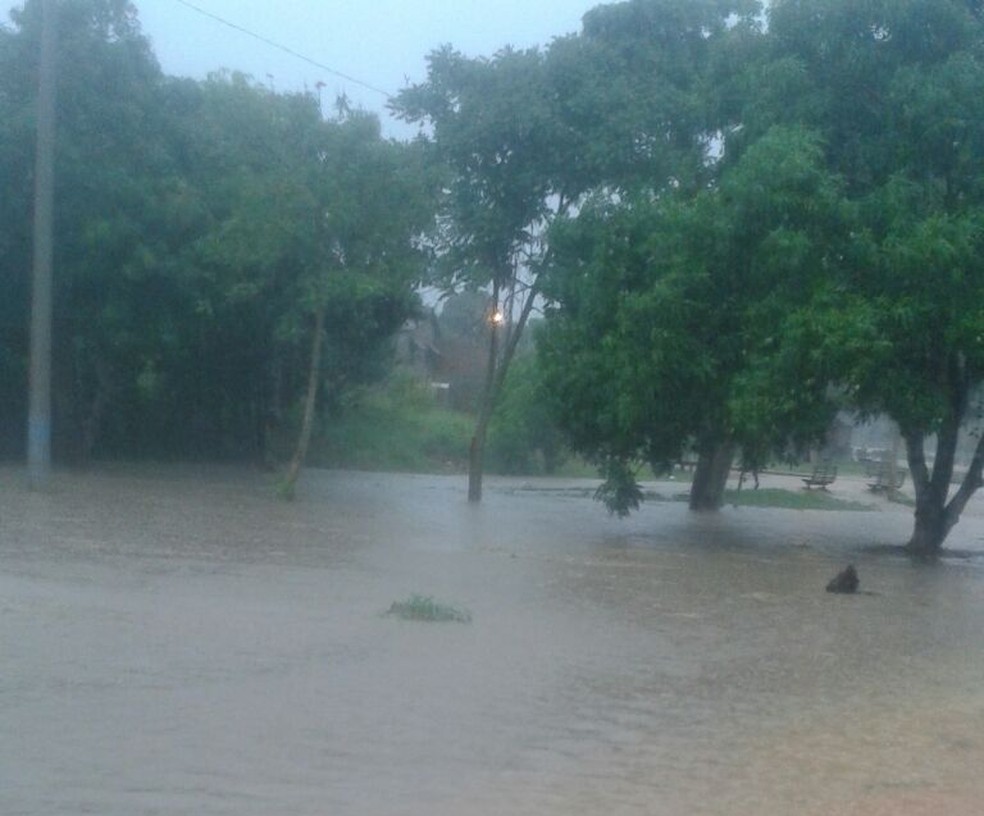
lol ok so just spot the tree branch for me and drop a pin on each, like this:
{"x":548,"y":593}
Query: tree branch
{"x":970,"y":484}
{"x":510,"y":348}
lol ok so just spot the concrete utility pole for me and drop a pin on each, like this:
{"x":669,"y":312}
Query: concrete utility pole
{"x":39,"y":409}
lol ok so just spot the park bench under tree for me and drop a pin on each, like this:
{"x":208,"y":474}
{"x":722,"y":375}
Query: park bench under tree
{"x":824,"y":473}
{"x":884,"y":477}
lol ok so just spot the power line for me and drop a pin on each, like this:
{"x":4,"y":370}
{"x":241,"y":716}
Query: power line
{"x":284,"y":48}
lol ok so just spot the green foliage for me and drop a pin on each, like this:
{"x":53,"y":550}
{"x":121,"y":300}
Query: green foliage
{"x":397,"y":428}
{"x":492,"y":133}
{"x":667,"y":313}
{"x":496,"y":137}
{"x":425,"y":608}
{"x":896,"y":90}
{"x":619,"y":492}
{"x":636,"y":94}
{"x":829,"y":256}
{"x":200,"y":227}
{"x":523,"y":438}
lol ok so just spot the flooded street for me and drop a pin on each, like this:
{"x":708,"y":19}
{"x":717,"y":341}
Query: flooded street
{"x":180,"y":642}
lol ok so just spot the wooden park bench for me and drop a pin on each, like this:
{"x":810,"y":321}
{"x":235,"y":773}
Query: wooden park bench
{"x":823,"y":474}
{"x":881,"y":477}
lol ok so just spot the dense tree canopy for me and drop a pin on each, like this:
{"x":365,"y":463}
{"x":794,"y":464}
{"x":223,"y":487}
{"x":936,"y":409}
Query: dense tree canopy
{"x":897,"y":89}
{"x":832,"y":251}
{"x":648,"y":221}
{"x":668,"y":309}
{"x":203,"y":230}
{"x":525,"y":135}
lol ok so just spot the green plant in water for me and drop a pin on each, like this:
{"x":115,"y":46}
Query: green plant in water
{"x":425,"y":608}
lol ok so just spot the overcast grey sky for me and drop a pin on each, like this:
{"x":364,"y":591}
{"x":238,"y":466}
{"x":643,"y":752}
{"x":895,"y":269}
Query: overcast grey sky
{"x":380,"y":42}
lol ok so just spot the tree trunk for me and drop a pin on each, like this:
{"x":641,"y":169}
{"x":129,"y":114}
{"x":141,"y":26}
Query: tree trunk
{"x":929,"y":530}
{"x":476,"y":451}
{"x":310,"y":403}
{"x":495,"y":377}
{"x":476,"y":460}
{"x":935,"y":516}
{"x":714,"y":460}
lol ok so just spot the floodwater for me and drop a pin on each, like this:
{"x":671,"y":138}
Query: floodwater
{"x":176,"y":641}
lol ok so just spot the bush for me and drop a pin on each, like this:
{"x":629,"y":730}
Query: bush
{"x":523,"y":437}
{"x":396,"y":427}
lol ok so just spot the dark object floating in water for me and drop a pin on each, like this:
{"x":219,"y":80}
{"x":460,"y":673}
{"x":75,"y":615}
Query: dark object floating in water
{"x":845,"y":581}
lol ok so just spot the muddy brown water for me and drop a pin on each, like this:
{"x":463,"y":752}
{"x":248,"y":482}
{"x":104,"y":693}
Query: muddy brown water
{"x":176,"y":641}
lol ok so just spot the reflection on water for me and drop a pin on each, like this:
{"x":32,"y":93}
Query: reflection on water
{"x":182,"y":643}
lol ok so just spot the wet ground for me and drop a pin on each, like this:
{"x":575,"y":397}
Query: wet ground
{"x":176,"y":641}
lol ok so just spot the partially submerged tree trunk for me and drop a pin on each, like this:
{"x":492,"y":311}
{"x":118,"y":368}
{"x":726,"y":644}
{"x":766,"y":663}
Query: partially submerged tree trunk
{"x":714,"y":458}
{"x":310,"y":403}
{"x":495,"y":377}
{"x":934,"y":515}
{"x":476,"y":451}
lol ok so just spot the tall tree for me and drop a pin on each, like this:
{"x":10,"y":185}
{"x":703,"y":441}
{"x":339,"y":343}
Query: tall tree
{"x":667,"y":309}
{"x":525,"y":134}
{"x":493,"y":132}
{"x":897,"y":88}
{"x":316,"y":234}
{"x":371,"y":205}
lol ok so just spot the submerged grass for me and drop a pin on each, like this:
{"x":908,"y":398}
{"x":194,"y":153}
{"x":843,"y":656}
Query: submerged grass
{"x":425,"y":608}
{"x":791,"y":499}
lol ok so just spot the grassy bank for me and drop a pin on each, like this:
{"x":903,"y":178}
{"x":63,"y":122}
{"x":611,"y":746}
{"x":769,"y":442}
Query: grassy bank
{"x":791,"y":499}
{"x":394,"y":430}
{"x":402,"y":428}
